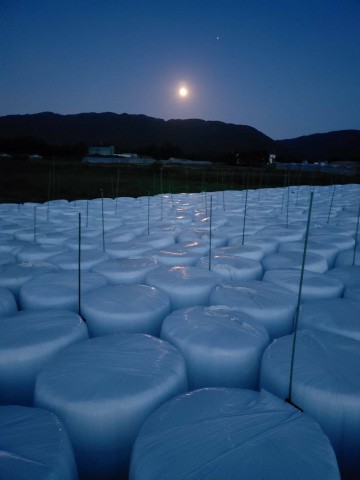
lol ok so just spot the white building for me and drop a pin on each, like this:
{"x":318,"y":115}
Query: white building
{"x":182,"y":161}
{"x":108,"y":150}
{"x":120,"y":160}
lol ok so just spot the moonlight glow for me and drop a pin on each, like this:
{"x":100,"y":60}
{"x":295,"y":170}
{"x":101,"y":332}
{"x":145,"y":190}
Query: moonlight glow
{"x":183,"y":92}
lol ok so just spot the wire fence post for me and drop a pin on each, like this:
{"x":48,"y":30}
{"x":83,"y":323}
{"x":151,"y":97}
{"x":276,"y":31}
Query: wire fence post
{"x":102,"y":218}
{"x":35,"y":224}
{"x":331,"y":203}
{"x":356,"y":235}
{"x":87,"y":213}
{"x":296,"y":320}
{"x":210,"y":232}
{"x":161,"y":193}
{"x":287,"y":203}
{"x":79,"y":266}
{"x":244,"y":221}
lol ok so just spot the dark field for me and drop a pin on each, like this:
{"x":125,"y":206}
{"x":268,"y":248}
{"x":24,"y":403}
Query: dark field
{"x":24,"y":180}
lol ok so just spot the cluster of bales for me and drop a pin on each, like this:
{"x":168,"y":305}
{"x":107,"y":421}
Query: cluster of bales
{"x":159,"y":337}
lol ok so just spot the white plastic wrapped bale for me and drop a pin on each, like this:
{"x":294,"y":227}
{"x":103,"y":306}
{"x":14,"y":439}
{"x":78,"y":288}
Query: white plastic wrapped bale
{"x":28,"y":341}
{"x":34,"y":445}
{"x":57,"y":290}
{"x":70,"y":260}
{"x":313,"y":261}
{"x":87,"y":243}
{"x":225,"y":434}
{"x":125,"y":308}
{"x":8,"y":209}
{"x":135,"y":225}
{"x":326,"y":385}
{"x":336,"y":315}
{"x":217,"y":238}
{"x":221,"y":348}
{"x":196,"y":247}
{"x":39,"y":253}
{"x":348,"y":276}
{"x":267,"y":244}
{"x":170,"y":227}
{"x":328,"y":251}
{"x":186,"y":286}
{"x":5,"y":237}
{"x":52,"y":238}
{"x":12,"y":228}
{"x":231,"y":267}
{"x":29,"y":234}
{"x":342,"y":242}
{"x":347,"y":258}
{"x":156,"y":240}
{"x":246,"y":251}
{"x":174,"y":255}
{"x":126,"y":270}
{"x":269,"y":304}
{"x":14,"y":276}
{"x":7,"y":302}
{"x":6,"y":258}
{"x":315,"y":285}
{"x":189,"y":234}
{"x":103,"y":389}
{"x":251,"y":227}
{"x":127,"y":249}
{"x":87,"y":233}
{"x":281,"y":234}
{"x":120,"y":234}
{"x":352,"y":293}
{"x":202,"y":235}
{"x":232,"y":231}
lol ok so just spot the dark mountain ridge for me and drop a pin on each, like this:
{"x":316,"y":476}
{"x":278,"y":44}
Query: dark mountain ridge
{"x":134,"y":132}
{"x":191,"y":138}
{"x":332,"y":146}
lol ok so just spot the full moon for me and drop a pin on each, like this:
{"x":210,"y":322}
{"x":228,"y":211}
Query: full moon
{"x":183,"y":92}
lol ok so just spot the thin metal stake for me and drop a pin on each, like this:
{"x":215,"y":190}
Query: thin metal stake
{"x":117,"y":183}
{"x":87,"y":213}
{"x":34,"y":224}
{"x":53,"y":177}
{"x":244,"y":222}
{"x":331,"y":203}
{"x":356,"y":235}
{"x":210,"y":232}
{"x":161,"y":193}
{"x":296,"y":320}
{"x":102,"y":218}
{"x":49,"y":189}
{"x":287,"y":204}
{"x":283,"y":194}
{"x":79,"y":267}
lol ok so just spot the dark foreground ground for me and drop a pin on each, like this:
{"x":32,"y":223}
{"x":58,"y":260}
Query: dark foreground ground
{"x":24,"y":180}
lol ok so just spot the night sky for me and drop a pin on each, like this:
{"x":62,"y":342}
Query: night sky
{"x":288,"y":68}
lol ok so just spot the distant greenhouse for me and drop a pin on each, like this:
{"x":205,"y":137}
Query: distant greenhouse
{"x":102,"y":150}
{"x":120,"y":160}
{"x":182,"y":161}
{"x":343,"y":167}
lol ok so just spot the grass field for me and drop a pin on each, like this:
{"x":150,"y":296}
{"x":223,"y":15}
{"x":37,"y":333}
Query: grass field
{"x":24,"y":180}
